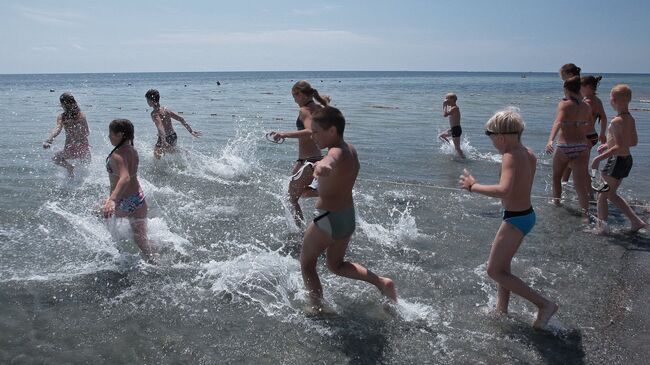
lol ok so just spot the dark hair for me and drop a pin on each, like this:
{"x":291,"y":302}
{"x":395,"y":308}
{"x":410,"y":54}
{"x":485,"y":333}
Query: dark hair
{"x":573,"y":84}
{"x":329,"y":116}
{"x":70,"y":107}
{"x":571,"y":69}
{"x":153,"y":95}
{"x":305,"y":88}
{"x":126,"y":128}
{"x":591,"y":80}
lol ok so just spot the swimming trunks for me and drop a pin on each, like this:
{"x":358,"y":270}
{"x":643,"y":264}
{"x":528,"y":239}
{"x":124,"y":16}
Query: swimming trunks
{"x":131,"y":203}
{"x":456,"y":131}
{"x":170,"y":138}
{"x":523,"y":221}
{"x":339,"y":224}
{"x":572,"y":150}
{"x":618,"y":167}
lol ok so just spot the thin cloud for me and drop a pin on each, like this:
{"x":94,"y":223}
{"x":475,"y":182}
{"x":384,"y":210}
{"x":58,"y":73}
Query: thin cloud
{"x":266,"y":37}
{"x":78,"y":46}
{"x":314,"y":11}
{"x":50,"y":17}
{"x":44,"y":48}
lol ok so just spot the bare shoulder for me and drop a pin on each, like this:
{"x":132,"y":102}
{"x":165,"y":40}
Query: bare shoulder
{"x":531,"y":155}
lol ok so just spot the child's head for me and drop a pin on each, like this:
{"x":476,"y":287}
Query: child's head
{"x":303,"y":88}
{"x":572,"y":84}
{"x":589,"y":82}
{"x":328,"y":126}
{"x":621,"y":96}
{"x":120,"y":131}
{"x":451,"y":97}
{"x":153,"y":95}
{"x":69,"y":105}
{"x":569,"y":70}
{"x":505,"y":122}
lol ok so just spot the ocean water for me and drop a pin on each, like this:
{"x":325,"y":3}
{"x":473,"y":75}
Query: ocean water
{"x":73,"y":288}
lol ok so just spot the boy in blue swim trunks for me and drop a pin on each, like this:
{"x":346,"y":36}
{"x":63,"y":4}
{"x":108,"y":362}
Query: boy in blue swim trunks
{"x":514,"y":188}
{"x":621,"y":136}
{"x":451,"y":110}
{"x":332,"y":228}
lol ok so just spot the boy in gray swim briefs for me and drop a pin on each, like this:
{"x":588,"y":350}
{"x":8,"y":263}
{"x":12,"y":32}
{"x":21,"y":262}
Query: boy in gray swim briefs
{"x":621,"y":136}
{"x":332,"y":228}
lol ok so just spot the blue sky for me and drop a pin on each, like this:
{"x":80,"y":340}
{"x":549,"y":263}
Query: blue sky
{"x":142,"y":35}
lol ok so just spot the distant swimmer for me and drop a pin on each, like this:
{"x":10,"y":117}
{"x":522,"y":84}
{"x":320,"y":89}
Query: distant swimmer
{"x":76,"y":146}
{"x":621,"y":136}
{"x":126,"y":198}
{"x":309,"y":101}
{"x":162,"y":118}
{"x":332,"y":229}
{"x":514,"y":188}
{"x":570,"y":128}
{"x":452,"y":111}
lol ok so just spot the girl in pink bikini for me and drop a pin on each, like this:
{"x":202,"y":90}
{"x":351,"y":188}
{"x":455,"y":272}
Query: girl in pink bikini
{"x":76,"y":134}
{"x":126,"y":199}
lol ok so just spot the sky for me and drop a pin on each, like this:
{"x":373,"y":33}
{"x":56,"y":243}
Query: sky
{"x":76,"y":36}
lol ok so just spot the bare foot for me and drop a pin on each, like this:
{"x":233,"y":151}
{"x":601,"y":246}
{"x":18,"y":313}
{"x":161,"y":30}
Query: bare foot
{"x":601,"y":227}
{"x":544,"y":315}
{"x":556,"y":202}
{"x":636,"y":227}
{"x":387,"y":288}
{"x":443,"y":138}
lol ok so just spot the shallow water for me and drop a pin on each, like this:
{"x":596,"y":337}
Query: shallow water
{"x":228,"y":289}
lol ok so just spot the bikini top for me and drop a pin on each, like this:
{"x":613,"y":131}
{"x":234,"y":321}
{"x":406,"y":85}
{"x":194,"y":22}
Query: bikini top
{"x":299,"y":123}
{"x":110,"y":170}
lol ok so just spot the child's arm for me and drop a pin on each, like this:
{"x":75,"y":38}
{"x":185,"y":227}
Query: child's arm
{"x":635,"y":138}
{"x":306,"y":120}
{"x":123,"y":180}
{"x":184,"y":123}
{"x":501,"y":190}
{"x":55,"y":132}
{"x":325,"y":166}
{"x":449,"y":110}
{"x":616,"y":136}
{"x":603,"y":122}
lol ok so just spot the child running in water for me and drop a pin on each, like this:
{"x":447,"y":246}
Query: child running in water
{"x":162,"y":118}
{"x":332,"y":228}
{"x":76,"y":134}
{"x":514,"y":189}
{"x":451,"y":110}
{"x":621,"y":136}
{"x":126,"y":198}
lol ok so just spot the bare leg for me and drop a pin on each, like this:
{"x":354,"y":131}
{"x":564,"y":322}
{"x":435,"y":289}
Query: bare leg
{"x":560,"y":162}
{"x":579,"y":167}
{"x":457,"y":147}
{"x":60,"y":159}
{"x":296,"y":189}
{"x":138,"y":223}
{"x":566,"y":174}
{"x":314,"y":243}
{"x":505,"y":245}
{"x":612,"y":195}
{"x":444,"y":136}
{"x":335,"y":262}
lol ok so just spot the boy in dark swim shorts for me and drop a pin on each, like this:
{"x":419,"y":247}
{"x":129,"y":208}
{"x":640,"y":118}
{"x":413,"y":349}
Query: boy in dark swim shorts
{"x":621,"y":136}
{"x":451,"y":110}
{"x":332,"y":228}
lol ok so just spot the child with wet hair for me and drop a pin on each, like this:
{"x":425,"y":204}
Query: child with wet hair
{"x":514,"y":189}
{"x":621,"y":136}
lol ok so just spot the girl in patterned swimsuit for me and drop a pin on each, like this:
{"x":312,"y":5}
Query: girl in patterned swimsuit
{"x":126,"y":198}
{"x":573,"y":147}
{"x":76,"y":134}
{"x":309,"y":101}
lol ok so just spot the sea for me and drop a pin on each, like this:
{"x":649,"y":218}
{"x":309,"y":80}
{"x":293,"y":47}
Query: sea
{"x":228,"y":288}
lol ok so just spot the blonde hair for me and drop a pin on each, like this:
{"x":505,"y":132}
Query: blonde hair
{"x":305,"y":88}
{"x":507,"y":121}
{"x":452,"y":95}
{"x":622,"y":91}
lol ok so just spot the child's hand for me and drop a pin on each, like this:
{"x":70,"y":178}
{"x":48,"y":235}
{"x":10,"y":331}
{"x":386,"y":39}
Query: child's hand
{"x":322,"y":170}
{"x":109,"y":208}
{"x":602,"y":138}
{"x":594,"y":164}
{"x":602,"y":148}
{"x":47,"y":144}
{"x":549,"y":148}
{"x":196,"y":133}
{"x":277,"y":136}
{"x":466,"y":180}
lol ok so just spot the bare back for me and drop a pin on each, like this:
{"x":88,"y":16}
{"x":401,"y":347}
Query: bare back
{"x":128,"y":155}
{"x":335,"y":190}
{"x":523,"y":164}
{"x":574,"y":117}
{"x":163,"y":115}
{"x":306,"y":146}
{"x":76,"y":130}
{"x":622,"y":132}
{"x":454,"y":116}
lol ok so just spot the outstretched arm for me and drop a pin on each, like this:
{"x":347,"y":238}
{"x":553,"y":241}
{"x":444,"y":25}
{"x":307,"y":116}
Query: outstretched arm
{"x":55,"y":132}
{"x":325,"y":166}
{"x":184,"y":123}
{"x":555,"y":128}
{"x":501,"y":190}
